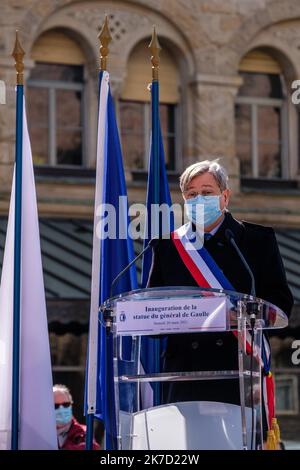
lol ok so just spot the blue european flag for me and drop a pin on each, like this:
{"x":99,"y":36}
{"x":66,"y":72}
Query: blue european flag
{"x":158,"y":193}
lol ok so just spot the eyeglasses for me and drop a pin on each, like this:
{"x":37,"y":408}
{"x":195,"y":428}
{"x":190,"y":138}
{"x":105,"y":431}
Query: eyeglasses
{"x":192,"y":194}
{"x":66,"y":404}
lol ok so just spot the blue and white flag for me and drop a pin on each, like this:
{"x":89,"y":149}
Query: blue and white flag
{"x":37,"y":426}
{"x":112,"y":252}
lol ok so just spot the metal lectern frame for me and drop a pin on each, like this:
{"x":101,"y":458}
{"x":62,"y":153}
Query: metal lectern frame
{"x":246,"y":317}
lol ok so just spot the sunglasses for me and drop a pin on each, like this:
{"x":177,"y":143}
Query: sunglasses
{"x":66,"y":404}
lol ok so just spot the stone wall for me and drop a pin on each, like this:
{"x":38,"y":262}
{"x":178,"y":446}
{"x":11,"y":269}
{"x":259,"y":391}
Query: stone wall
{"x":209,"y":36}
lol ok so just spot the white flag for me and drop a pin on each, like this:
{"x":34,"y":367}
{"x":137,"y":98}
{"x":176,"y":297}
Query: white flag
{"x":37,"y":429}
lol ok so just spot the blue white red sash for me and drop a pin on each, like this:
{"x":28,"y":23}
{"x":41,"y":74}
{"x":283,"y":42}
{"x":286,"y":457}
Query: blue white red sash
{"x":207,"y":274}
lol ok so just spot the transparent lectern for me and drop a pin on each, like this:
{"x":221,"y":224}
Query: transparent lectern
{"x":187,"y":425}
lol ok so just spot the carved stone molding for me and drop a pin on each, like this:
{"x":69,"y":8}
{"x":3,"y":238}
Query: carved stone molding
{"x":123,"y":24}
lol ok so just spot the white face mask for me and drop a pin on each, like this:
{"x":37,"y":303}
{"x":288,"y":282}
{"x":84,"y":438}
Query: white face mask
{"x":211,"y":209}
{"x":63,"y":415}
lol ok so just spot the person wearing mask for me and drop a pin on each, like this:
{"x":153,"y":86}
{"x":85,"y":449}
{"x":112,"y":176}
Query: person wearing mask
{"x":205,"y":185}
{"x":70,"y":433}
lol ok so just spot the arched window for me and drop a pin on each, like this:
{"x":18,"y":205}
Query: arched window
{"x":135,"y":109}
{"x":55,"y":100}
{"x":261,"y":118}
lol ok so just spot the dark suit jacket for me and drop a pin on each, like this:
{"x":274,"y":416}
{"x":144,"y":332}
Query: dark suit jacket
{"x":218,"y":351}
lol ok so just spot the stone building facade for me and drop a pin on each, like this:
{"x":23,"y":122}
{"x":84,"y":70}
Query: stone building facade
{"x":227,"y":71}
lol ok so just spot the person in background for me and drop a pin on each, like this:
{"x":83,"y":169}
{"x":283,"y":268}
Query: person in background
{"x":70,"y":434}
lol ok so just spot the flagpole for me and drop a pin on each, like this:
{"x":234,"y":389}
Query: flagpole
{"x":155,"y":49}
{"x":155,"y":142}
{"x":18,"y":54}
{"x":104,"y":39}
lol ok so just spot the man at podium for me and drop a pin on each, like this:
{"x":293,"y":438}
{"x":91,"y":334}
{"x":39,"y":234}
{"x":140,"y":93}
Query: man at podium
{"x":206,"y":183}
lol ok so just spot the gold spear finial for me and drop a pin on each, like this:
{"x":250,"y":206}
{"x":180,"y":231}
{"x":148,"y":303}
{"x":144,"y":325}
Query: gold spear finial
{"x":104,"y":38}
{"x":155,"y":50}
{"x":18,"y":54}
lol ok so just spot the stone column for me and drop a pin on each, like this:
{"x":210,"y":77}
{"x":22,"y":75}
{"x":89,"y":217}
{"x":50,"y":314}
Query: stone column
{"x":214,"y":121}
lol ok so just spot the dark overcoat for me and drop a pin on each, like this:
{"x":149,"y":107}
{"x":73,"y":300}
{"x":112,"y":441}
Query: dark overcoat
{"x":218,"y":351}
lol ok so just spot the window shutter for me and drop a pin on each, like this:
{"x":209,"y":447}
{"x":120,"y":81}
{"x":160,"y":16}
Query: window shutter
{"x":139,"y":75}
{"x":258,"y":61}
{"x":57,"y":47}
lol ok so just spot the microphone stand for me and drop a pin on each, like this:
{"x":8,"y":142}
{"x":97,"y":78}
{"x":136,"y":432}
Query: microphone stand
{"x":106,"y":312}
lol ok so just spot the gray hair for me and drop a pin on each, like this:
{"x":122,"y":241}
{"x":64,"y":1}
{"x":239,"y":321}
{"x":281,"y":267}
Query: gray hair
{"x":210,"y":166}
{"x":63,"y":389}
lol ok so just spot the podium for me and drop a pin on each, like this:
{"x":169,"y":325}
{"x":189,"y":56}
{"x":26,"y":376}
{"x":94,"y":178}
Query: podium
{"x":146,"y":422}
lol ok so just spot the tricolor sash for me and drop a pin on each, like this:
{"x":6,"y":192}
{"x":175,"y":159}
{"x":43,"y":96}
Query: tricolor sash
{"x":207,"y":274}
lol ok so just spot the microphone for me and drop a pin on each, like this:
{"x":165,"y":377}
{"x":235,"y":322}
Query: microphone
{"x":230,"y":237}
{"x":152,"y":243}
